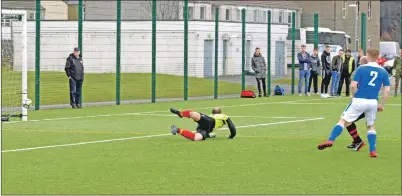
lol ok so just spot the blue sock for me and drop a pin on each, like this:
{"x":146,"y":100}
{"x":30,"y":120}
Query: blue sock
{"x":372,"y":137}
{"x":336,"y":131}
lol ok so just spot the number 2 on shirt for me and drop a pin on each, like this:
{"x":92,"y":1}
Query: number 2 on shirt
{"x":375,"y":75}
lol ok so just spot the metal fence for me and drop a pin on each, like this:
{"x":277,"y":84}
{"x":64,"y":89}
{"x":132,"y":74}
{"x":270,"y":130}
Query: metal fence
{"x":160,"y":57}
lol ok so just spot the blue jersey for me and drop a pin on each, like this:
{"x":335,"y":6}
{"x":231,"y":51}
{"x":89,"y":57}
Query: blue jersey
{"x":370,"y":78}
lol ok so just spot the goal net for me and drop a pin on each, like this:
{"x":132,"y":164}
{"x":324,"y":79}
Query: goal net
{"x":13,"y":64}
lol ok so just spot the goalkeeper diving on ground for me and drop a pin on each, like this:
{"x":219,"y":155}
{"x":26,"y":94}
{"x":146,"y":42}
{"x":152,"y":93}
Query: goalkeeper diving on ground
{"x":206,"y":124}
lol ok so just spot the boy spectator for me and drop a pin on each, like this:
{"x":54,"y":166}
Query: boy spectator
{"x":315,"y":67}
{"x":360,"y":55}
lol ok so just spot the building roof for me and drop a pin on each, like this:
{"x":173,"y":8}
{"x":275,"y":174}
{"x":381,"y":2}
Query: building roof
{"x":21,"y":5}
{"x":270,"y":4}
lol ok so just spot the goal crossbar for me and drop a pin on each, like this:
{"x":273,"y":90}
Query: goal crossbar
{"x":24,"y":58}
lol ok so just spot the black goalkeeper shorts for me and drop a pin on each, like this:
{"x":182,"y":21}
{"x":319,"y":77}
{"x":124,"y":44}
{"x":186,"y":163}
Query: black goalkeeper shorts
{"x":205,"y":126}
{"x":360,"y":117}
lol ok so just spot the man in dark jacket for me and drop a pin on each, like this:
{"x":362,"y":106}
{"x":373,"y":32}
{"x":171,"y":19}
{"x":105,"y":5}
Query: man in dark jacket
{"x":260,"y":68}
{"x":348,"y":67}
{"x":75,"y":73}
{"x":326,"y":70}
{"x":315,"y":67}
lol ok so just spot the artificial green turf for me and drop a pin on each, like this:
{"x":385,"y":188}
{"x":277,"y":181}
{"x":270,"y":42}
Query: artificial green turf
{"x":270,"y":159}
{"x":54,"y":87}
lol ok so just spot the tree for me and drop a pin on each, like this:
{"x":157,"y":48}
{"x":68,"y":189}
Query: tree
{"x":165,"y":10}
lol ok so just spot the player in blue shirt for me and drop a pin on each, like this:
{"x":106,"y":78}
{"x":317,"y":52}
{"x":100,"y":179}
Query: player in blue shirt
{"x":370,"y":78}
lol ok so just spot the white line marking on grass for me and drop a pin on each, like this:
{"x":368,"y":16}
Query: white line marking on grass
{"x":268,"y":117}
{"x":84,"y":143}
{"x":273,"y":117}
{"x":276,"y":123}
{"x":153,"y":112}
{"x":390,"y":104}
{"x":148,"y":136}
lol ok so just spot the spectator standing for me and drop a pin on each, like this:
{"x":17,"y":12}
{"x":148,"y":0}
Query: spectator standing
{"x":398,"y":72}
{"x":315,"y":68}
{"x":348,"y":67}
{"x":326,"y":70}
{"x":360,"y":55}
{"x":337,"y":62}
{"x":75,"y":73}
{"x":304,"y":70}
{"x":260,"y":68}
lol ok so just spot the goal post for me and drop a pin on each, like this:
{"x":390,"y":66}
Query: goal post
{"x":14,"y":66}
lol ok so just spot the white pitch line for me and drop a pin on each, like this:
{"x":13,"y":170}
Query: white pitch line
{"x":267,"y":117}
{"x":276,"y":123}
{"x":390,"y":104}
{"x":148,"y":136}
{"x":153,"y":112}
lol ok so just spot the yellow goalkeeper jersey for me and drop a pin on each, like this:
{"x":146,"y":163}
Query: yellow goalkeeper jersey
{"x":220,"y":120}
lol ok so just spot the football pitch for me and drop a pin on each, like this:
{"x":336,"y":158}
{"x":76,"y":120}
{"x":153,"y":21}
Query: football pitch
{"x":128,"y":149}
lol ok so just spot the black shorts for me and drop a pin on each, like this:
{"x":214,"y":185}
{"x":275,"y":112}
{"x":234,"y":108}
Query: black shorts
{"x":205,"y":126}
{"x":360,"y":117}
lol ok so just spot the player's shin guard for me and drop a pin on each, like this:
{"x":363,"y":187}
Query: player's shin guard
{"x":185,"y":113}
{"x":372,"y":138}
{"x":352,"y":129}
{"x":187,"y":134}
{"x":336,"y":131}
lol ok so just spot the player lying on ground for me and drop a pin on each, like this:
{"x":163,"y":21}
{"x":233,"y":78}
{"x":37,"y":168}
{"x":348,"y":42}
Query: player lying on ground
{"x":206,"y":124}
{"x":370,"y":78}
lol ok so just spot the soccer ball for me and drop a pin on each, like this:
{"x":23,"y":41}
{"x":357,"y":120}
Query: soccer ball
{"x":26,"y":103}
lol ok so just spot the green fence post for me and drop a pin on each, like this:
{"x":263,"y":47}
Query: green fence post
{"x":80,"y":12}
{"x":118,"y":48}
{"x":363,"y":33}
{"x":185,"y":16}
{"x":315,"y":31}
{"x":269,"y":52}
{"x":153,"y":51}
{"x":216,"y":52}
{"x":293,"y":50}
{"x":37,"y":56}
{"x":243,"y":47}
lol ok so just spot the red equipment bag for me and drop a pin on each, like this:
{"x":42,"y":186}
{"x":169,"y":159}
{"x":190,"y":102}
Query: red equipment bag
{"x":247,"y":94}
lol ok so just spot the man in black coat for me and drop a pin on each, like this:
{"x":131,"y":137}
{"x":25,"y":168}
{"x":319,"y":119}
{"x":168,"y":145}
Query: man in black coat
{"x":326,"y":70}
{"x":75,"y":73}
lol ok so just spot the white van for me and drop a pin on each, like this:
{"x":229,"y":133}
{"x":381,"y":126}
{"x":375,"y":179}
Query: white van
{"x":321,"y":47}
{"x":389,"y":49}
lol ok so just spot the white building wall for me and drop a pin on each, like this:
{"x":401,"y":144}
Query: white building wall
{"x":197,"y":11}
{"x":5,"y":33}
{"x":99,"y":45}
